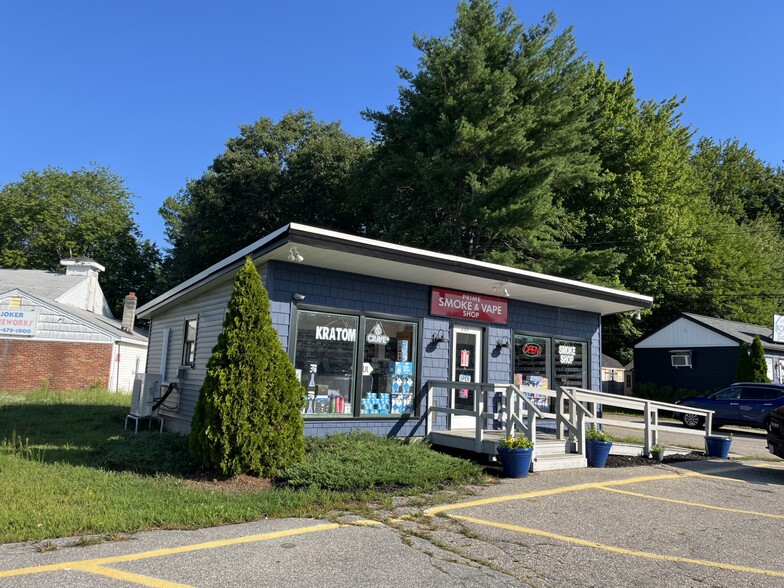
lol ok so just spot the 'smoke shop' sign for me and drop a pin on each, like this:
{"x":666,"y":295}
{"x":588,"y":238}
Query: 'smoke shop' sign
{"x":466,"y":305}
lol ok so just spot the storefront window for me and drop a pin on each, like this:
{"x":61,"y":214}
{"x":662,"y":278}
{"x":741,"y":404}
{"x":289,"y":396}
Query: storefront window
{"x":325,"y":360}
{"x":337,"y":354}
{"x":570,"y":366}
{"x":532,"y":366}
{"x":388,"y":367}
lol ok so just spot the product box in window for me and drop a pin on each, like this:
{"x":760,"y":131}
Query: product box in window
{"x":402,"y":350}
{"x":369,"y":403}
{"x":401,"y":368}
{"x":384,"y":404}
{"x":322,"y":404}
{"x":402,"y":403}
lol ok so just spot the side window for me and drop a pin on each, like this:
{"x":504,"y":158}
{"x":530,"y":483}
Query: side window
{"x":189,"y":343}
{"x":757,"y":393}
{"x":732,"y":393}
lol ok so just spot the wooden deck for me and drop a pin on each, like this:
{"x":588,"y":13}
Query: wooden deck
{"x":549,"y":453}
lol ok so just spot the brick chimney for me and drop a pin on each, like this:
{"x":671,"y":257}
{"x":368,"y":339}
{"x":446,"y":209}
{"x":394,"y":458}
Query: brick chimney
{"x":129,"y":312}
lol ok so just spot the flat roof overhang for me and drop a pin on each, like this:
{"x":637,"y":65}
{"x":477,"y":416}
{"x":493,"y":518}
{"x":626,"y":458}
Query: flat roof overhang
{"x":348,"y":253}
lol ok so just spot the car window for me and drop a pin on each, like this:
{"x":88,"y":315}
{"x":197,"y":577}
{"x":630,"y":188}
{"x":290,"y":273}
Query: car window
{"x":753,"y":393}
{"x":759,"y":393}
{"x":731,"y":393}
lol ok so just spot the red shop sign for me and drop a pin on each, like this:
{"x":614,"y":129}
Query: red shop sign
{"x":466,"y":305}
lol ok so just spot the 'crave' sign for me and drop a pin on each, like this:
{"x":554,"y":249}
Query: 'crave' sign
{"x":466,"y":305}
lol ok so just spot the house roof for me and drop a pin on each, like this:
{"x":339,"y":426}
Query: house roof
{"x":41,"y":284}
{"x":611,"y":363}
{"x":49,"y":286}
{"x":741,"y":332}
{"x":342,"y":252}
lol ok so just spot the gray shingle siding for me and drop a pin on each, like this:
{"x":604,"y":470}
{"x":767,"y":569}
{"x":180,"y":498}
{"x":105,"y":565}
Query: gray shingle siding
{"x":339,"y":290}
{"x":357,"y":293}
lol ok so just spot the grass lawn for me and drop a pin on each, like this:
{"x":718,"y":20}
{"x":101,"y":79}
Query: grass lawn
{"x":67,"y":468}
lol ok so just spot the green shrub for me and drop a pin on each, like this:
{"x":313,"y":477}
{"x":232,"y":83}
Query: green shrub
{"x":759,"y":369}
{"x":597,"y":434}
{"x":662,"y":393}
{"x":744,"y":373}
{"x":363,"y":461}
{"x":248,"y":416}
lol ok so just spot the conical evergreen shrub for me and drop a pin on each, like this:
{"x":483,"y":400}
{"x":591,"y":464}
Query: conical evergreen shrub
{"x":759,"y":369}
{"x":744,"y":372}
{"x":248,"y":417}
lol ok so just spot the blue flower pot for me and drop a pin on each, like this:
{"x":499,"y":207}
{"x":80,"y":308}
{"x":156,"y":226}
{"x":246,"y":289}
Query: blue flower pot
{"x":597,"y":452}
{"x":717,"y":446}
{"x":516,"y":462}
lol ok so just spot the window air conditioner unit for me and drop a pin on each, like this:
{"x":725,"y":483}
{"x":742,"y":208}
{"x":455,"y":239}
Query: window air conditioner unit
{"x":681,"y":360}
{"x":146,"y":387}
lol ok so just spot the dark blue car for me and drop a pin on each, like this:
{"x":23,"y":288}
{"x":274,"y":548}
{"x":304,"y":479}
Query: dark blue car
{"x":748,"y":404}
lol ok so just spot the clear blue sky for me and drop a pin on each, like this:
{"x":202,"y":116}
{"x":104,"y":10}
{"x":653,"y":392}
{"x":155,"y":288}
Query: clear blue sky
{"x":153,"y":89}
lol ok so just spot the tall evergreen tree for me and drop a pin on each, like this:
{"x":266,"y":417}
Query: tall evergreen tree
{"x":744,"y":373}
{"x":486,"y":133}
{"x":759,"y":368}
{"x":248,"y":416}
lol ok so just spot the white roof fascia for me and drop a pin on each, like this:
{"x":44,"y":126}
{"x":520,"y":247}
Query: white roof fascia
{"x":296,"y":232}
{"x":645,"y":301}
{"x":213,"y":269}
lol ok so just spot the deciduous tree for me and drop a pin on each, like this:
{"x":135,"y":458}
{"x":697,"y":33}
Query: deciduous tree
{"x":295,"y":170}
{"x":53,"y":214}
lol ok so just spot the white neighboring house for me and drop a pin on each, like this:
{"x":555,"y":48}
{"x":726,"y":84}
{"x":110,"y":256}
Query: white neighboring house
{"x":56,"y":330}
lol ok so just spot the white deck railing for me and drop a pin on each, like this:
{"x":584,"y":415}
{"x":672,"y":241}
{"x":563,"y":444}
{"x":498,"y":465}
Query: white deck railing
{"x":574,"y":410}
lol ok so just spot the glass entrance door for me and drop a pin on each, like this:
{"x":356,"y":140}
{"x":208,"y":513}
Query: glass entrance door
{"x":467,"y":366}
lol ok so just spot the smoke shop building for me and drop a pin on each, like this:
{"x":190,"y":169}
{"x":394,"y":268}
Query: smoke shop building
{"x":369,"y":324}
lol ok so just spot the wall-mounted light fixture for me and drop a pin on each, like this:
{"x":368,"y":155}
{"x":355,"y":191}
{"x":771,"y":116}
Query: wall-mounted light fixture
{"x":297,"y":297}
{"x":438,"y":338}
{"x":294,"y":255}
{"x":502,"y":343}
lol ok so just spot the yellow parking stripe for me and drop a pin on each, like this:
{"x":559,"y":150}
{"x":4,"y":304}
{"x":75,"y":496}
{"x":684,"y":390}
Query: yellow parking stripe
{"x":697,"y":504}
{"x":367,"y":523}
{"x":165,"y":552}
{"x":129,"y":577}
{"x":539,"y":493}
{"x":620,"y":550}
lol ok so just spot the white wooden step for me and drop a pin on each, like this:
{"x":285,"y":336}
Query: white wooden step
{"x":543,"y":463}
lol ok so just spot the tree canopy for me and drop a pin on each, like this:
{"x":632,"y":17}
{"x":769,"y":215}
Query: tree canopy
{"x":486,"y":133}
{"x":295,"y":170}
{"x":53,"y":214}
{"x":506,"y":145}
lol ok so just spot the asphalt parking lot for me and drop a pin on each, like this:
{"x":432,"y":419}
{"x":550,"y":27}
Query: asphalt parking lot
{"x":699,"y":523}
